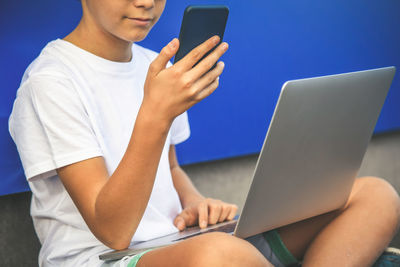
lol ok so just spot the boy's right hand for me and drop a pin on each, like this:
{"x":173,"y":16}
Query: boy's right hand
{"x":168,"y":92}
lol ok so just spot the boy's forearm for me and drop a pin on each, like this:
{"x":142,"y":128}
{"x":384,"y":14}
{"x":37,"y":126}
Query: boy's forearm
{"x":122,"y":201}
{"x":186,"y":190}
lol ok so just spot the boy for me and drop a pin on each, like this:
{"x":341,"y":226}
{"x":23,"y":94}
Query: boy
{"x":95,"y":121}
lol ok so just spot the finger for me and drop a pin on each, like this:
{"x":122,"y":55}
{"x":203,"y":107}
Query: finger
{"x":161,"y":61}
{"x":203,"y":214}
{"x":208,"y":62}
{"x":189,"y":217}
{"x":232,"y":212}
{"x":197,"y":53}
{"x":209,"y":77}
{"x":214,"y":208}
{"x":224,"y":213}
{"x":179,"y":222}
{"x":207,"y":91}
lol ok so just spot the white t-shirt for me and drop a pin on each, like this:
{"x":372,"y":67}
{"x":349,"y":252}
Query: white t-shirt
{"x":71,"y":106}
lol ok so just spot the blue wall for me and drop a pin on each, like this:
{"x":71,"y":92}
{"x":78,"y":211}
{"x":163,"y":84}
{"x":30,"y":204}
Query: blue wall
{"x":270,"y":42}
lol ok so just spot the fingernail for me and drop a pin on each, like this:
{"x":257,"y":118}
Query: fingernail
{"x":224,"y":46}
{"x":172,"y":44}
{"x":221,"y":63}
{"x":216,"y":39}
{"x":203,"y":224}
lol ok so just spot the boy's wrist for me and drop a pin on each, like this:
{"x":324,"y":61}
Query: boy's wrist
{"x":191,"y":199}
{"x":155,"y":119}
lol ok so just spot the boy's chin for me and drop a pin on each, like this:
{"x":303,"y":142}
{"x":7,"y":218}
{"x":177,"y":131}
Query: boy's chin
{"x":137,"y":36}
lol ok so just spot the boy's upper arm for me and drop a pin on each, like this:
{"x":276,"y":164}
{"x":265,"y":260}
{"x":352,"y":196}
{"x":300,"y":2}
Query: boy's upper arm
{"x":173,"y":161}
{"x":83,"y":180}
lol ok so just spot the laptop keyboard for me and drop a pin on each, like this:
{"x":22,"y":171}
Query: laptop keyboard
{"x":226,"y":228}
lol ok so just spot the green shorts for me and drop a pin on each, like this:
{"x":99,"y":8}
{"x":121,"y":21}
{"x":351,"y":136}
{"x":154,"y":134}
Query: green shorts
{"x":127,"y":261}
{"x":134,"y":260}
{"x":279,"y":249}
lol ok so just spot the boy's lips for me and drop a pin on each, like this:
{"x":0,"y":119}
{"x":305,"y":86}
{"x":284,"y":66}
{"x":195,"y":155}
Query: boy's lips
{"x":141,"y":21}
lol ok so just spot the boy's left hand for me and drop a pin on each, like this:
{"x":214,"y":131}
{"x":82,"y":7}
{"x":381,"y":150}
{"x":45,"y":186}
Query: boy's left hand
{"x":203,"y":212}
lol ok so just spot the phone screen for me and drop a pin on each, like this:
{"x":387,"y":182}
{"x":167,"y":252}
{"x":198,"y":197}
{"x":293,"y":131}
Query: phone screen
{"x":199,"y":24}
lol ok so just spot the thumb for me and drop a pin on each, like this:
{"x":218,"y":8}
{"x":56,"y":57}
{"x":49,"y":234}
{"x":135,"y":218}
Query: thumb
{"x":160,"y":62}
{"x":179,"y":222}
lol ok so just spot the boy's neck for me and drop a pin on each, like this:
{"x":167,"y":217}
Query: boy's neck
{"x":99,"y":43}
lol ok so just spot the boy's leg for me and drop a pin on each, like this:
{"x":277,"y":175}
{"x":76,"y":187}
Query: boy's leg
{"x":213,"y":249}
{"x":352,"y":236}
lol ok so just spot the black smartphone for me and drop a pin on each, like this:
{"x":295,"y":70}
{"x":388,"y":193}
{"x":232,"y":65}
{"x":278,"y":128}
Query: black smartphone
{"x":199,"y":24}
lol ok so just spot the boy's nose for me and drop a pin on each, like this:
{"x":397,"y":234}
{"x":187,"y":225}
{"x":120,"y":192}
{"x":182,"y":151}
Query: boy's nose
{"x":144,"y":3}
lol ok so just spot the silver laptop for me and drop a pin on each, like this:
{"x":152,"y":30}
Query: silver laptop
{"x":311,"y":155}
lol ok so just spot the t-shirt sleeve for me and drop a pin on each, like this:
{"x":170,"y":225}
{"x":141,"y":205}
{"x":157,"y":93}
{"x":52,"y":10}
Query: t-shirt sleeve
{"x":180,"y":130}
{"x":51,"y":127}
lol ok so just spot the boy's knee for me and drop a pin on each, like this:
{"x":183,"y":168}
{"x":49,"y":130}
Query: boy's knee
{"x":377,"y":188}
{"x":381,"y":193}
{"x":220,"y":249}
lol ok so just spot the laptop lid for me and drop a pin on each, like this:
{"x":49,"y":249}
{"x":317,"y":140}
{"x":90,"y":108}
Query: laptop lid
{"x":314,"y":147}
{"x":311,"y":154}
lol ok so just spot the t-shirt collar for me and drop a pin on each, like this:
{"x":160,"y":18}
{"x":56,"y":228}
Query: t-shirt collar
{"x":99,"y":62}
